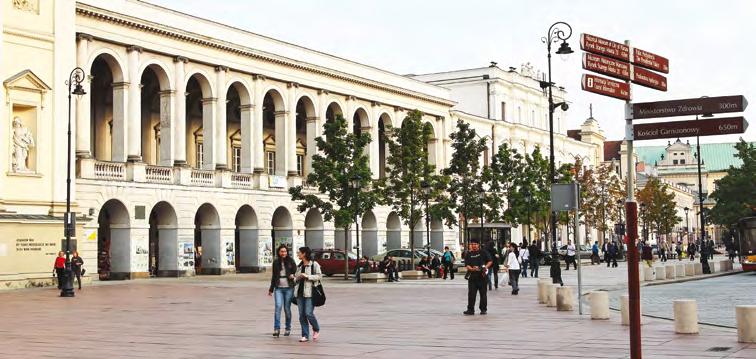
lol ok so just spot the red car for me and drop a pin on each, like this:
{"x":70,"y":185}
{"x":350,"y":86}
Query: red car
{"x":332,"y":261}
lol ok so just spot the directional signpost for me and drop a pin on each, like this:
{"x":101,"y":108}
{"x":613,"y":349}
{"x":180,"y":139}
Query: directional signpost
{"x":705,"y":127}
{"x":650,"y":79}
{"x":690,"y":106}
{"x":607,"y":87}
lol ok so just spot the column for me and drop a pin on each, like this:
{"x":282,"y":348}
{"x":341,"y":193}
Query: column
{"x":280,"y":136}
{"x":134,"y":113}
{"x":247,"y":135}
{"x":312,"y":129}
{"x":83,"y":124}
{"x":208,"y":132}
{"x":221,"y":141}
{"x":167,"y":130}
{"x":179,"y":104}
{"x":257,"y":148}
{"x":349,"y":113}
{"x":120,"y":99}
{"x":374,"y":151}
{"x":291,"y":130}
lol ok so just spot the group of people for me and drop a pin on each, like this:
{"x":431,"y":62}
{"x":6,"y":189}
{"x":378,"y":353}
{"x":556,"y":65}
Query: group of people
{"x":430,"y":265}
{"x":59,"y":268}
{"x":291,"y":282}
{"x":388,"y":267}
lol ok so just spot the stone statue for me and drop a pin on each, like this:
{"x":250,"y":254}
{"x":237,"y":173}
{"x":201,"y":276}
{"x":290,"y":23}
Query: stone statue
{"x":22,"y":142}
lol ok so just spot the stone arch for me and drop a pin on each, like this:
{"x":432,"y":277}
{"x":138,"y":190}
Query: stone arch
{"x":360,"y":121}
{"x":156,"y":117}
{"x":369,"y":232}
{"x":163,"y":247}
{"x":114,"y":241}
{"x":306,"y":116}
{"x":393,"y":231}
{"x":432,"y":144}
{"x":107,"y":97}
{"x":246,"y":240}
{"x":112,"y":59}
{"x":384,"y":124}
{"x":207,"y":240}
{"x":334,"y":108}
{"x":238,"y":127}
{"x":162,"y":72}
{"x":274,"y":132}
{"x":314,"y":229}
{"x":281,"y":230}
{"x":200,"y":115}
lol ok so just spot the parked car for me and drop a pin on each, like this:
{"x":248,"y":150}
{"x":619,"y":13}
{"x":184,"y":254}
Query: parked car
{"x":585,"y":251}
{"x":403,"y":254}
{"x":332,"y":261}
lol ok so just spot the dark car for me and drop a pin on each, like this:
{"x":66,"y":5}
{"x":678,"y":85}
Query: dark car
{"x":331,"y":261}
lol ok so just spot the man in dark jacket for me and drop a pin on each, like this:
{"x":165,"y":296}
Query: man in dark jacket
{"x":477,"y":262}
{"x":493,"y":274}
{"x":613,"y":249}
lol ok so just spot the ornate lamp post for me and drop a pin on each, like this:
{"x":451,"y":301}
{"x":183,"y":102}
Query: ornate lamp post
{"x":559,"y":31}
{"x":643,"y":217}
{"x":354,"y":184}
{"x":687,"y":229}
{"x":528,"y":198}
{"x":75,"y":79}
{"x":426,"y":191}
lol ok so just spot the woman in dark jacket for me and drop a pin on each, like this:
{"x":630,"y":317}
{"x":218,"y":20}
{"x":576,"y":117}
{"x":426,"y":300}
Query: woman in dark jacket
{"x":282,"y":285}
{"x":76,"y":263}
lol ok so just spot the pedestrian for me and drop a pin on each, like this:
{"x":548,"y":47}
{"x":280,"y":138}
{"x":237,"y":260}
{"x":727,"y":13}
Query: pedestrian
{"x":534,"y":251}
{"x":76,"y":263}
{"x":678,"y":250}
{"x":493,"y":274}
{"x":691,"y":250}
{"x":448,"y":261}
{"x":705,"y":258}
{"x":613,"y":250}
{"x":477,"y":262}
{"x":308,"y":273}
{"x":436,"y":266}
{"x":711,"y":249}
{"x":605,"y":249}
{"x":512,"y":265}
{"x":524,"y":259}
{"x":595,"y":253}
{"x":647,"y":254}
{"x":570,"y":258}
{"x":59,"y":268}
{"x":663,"y":251}
{"x":388,"y":267}
{"x":282,"y":289}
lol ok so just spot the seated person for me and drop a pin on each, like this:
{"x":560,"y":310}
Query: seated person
{"x":436,"y":266}
{"x":425,"y":266}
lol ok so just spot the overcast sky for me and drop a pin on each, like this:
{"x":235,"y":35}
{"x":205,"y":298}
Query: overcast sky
{"x":709,"y":43}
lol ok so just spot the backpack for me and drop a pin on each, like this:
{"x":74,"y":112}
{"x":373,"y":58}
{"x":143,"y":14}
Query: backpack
{"x":447,"y":257}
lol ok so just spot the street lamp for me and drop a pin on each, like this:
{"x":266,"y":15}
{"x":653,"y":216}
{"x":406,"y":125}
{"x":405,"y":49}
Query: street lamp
{"x":687,"y":229}
{"x":559,"y":31}
{"x":75,"y":79}
{"x":699,"y":162}
{"x":427,"y":191}
{"x":643,"y":217}
{"x":528,"y":197}
{"x":354,"y":184}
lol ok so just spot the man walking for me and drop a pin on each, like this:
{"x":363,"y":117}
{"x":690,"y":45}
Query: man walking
{"x":613,"y":249}
{"x":524,"y":258}
{"x":448,"y":262}
{"x":570,"y":256}
{"x":477,"y":262}
{"x":595,"y":254}
{"x":534,"y":252}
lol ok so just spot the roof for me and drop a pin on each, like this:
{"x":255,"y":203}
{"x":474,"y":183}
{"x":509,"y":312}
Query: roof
{"x":574,"y":134}
{"x":716,"y":156}
{"x":612,"y":150}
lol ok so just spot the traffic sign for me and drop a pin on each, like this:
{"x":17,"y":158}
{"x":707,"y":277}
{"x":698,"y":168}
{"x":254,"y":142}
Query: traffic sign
{"x":607,"y":66}
{"x":650,"y":79}
{"x":601,"y":46}
{"x":606,"y":87}
{"x":690,"y":106}
{"x":705,"y":127}
{"x":650,"y":61}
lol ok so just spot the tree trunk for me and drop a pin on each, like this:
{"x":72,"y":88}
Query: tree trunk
{"x":346,"y":253}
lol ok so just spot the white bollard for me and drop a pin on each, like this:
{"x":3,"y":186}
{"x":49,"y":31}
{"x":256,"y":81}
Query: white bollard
{"x":648,"y":273}
{"x":625,"y":309}
{"x":641,"y":275}
{"x":670,"y":271}
{"x":565,"y":300}
{"x":551,"y":295}
{"x":686,"y":316}
{"x":543,"y":289}
{"x":599,"y":305}
{"x":680,"y":270}
{"x":698,"y":268}
{"x":746,"y":319}
{"x":690,"y":269}
{"x":725,"y":265}
{"x":660,"y":272}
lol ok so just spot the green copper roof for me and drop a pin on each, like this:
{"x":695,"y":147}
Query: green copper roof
{"x":716,"y":156}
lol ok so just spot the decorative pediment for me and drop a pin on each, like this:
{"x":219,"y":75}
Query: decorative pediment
{"x":26,"y":81}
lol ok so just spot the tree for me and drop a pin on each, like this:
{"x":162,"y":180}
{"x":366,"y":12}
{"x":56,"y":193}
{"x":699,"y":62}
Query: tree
{"x":735,"y":193}
{"x":600,"y":189}
{"x":340,"y":158}
{"x":465,"y":181}
{"x":407,"y":167}
{"x":506,"y":166}
{"x":660,"y":212}
{"x":530,"y":202}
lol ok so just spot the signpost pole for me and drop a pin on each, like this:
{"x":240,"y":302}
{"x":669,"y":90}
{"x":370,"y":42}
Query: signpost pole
{"x":578,"y":245}
{"x":632,"y":233}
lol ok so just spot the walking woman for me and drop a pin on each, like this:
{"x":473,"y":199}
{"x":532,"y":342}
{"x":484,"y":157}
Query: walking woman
{"x":513,"y":267}
{"x":308,"y":273}
{"x":59,"y":267}
{"x":282,"y":288}
{"x":76,"y":263}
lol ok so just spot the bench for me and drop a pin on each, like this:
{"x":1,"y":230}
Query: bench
{"x":373,"y":277}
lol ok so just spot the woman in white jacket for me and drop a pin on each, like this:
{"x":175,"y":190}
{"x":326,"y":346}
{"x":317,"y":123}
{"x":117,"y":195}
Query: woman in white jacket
{"x":308,"y":273}
{"x":513,"y":267}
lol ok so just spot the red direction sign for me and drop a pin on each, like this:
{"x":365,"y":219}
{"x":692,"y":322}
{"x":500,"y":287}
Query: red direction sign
{"x":601,"y":46}
{"x":607,"y":66}
{"x":650,"y":79}
{"x":650,"y":61}
{"x":606,"y":87}
{"x":706,"y":127}
{"x":690,"y":106}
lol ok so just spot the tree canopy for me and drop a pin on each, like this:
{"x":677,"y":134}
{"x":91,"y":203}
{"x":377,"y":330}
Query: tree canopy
{"x":736,"y":192}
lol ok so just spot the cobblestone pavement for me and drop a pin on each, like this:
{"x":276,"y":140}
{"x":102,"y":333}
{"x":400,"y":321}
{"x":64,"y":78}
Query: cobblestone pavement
{"x":231,"y":317}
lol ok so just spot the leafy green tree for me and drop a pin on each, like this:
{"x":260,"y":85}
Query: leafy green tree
{"x":506,"y":166}
{"x":464,"y":170}
{"x":660,"y":212}
{"x":735,"y":193}
{"x":407,"y":168}
{"x":340,"y":158}
{"x":600,"y":189}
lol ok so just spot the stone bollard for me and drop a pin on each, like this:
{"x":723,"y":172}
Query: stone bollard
{"x":686,"y":316}
{"x":661,"y":273}
{"x":680,"y":270}
{"x":543,"y":290}
{"x":670,"y":271}
{"x":725,"y":265}
{"x":625,"y":309}
{"x":746,"y":319}
{"x":698,"y":268}
{"x":565,"y":301}
{"x":641,"y":275}
{"x":599,"y":305}
{"x":690,"y":269}
{"x":648,"y":273}
{"x":551,"y":295}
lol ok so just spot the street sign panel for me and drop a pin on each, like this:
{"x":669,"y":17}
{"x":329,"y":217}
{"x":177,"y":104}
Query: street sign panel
{"x":674,"y":129}
{"x":690,"y":106}
{"x":650,"y":79}
{"x":607,"y":66}
{"x":606,"y":87}
{"x":601,"y":46}
{"x":650,"y":61}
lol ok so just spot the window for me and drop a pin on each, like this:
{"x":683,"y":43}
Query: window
{"x":503,"y":111}
{"x":338,"y":256}
{"x":199,"y":154}
{"x":682,"y":161}
{"x":270,"y":162}
{"x":300,"y":165}
{"x":674,"y":162}
{"x":236,"y":158}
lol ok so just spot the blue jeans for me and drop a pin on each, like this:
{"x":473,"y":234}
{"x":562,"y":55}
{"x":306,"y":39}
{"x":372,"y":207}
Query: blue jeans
{"x":534,"y":268}
{"x":282,"y":299}
{"x":307,"y":316}
{"x":524,"y":272}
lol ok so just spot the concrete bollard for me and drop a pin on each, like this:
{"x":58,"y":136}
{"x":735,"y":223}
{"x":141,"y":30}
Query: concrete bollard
{"x":641,"y":275}
{"x":625,"y":309}
{"x":565,"y":300}
{"x":543,"y":289}
{"x":686,"y":316}
{"x":725,"y":265}
{"x":670,"y":271}
{"x":680,"y":270}
{"x":698,"y":268}
{"x":690,"y":269}
{"x":746,"y":319}
{"x":661,"y":273}
{"x":551,"y":295}
{"x":648,"y":273}
{"x":599,"y":305}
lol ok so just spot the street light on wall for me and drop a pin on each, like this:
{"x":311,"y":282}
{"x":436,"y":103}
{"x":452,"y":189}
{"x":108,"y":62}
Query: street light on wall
{"x":355,"y":184}
{"x":426,"y":188}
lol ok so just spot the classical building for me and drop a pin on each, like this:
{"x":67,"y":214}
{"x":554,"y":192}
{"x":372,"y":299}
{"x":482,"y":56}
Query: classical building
{"x":191,"y":133}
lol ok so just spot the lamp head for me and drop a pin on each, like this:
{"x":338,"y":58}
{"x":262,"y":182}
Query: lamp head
{"x":425,"y":187}
{"x":564,"y":50}
{"x":79,"y":91}
{"x":354,"y":182}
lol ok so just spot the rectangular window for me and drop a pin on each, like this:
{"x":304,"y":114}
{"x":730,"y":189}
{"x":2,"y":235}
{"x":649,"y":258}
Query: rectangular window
{"x":199,"y":154}
{"x":236,"y":158}
{"x":682,"y":162}
{"x":674,"y":162}
{"x":503,"y":111}
{"x":270,"y":162}
{"x":300,"y":165}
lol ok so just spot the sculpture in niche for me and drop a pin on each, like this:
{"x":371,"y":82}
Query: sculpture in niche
{"x":23,"y":141}
{"x":26,"y":5}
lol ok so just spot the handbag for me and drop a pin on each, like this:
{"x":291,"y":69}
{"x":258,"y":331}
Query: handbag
{"x":318,"y":295}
